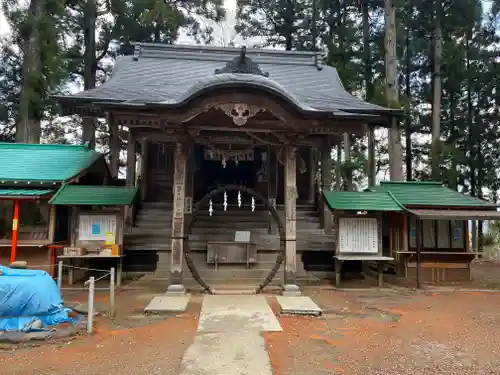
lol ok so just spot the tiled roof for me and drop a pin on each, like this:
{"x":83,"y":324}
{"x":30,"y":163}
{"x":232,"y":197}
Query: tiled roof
{"x":361,"y":201}
{"x":172,"y":74}
{"x":24,"y":193}
{"x":27,"y":163}
{"x":431,"y":194}
{"x":80,"y":195}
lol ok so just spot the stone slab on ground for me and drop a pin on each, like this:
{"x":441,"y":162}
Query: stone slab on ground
{"x":231,"y":313}
{"x":238,"y":353}
{"x":298,"y":306}
{"x":167,"y":304}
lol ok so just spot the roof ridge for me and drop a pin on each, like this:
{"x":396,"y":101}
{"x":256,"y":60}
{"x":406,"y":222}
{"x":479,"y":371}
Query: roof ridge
{"x":223,"y":54}
{"x":436,"y":183}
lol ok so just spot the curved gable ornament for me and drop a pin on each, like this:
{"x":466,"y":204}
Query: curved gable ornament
{"x":239,"y":112}
{"x":242,"y":65}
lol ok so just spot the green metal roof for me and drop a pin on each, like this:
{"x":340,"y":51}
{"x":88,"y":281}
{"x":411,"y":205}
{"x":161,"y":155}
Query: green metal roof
{"x":24,"y":193}
{"x":361,"y":201}
{"x":43,"y":163}
{"x":80,"y":195}
{"x":431,"y":193}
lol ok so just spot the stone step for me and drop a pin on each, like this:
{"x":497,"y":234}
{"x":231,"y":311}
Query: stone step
{"x":166,"y":246}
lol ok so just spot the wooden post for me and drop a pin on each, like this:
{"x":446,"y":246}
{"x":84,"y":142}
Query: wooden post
{"x":190,"y":170}
{"x":15,"y":231}
{"x":290,"y":288}
{"x":131,"y":158}
{"x":131,"y":168}
{"x":114,"y":147}
{"x":312,"y":176}
{"x":176,"y":286}
{"x":59,"y":274}
{"x":90,"y":317}
{"x":144,"y":169}
{"x":112,"y":311}
{"x":272,"y":159}
{"x":371,"y":156}
{"x":326,"y":182}
{"x":419,"y":249}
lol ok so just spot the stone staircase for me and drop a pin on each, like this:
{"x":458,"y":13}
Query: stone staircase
{"x":153,"y":228}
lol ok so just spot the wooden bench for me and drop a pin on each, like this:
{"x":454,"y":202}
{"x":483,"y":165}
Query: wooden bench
{"x":440,"y":264}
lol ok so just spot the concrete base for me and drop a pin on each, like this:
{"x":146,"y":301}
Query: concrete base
{"x":237,"y":313}
{"x":291,"y":290}
{"x":176,"y":290}
{"x":231,"y":353}
{"x":167,"y":304}
{"x":298,"y":306}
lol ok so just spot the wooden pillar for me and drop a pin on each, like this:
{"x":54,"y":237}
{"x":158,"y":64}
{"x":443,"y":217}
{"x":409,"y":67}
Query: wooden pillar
{"x":144,"y":169}
{"x":272,"y":159}
{"x":190,"y":171}
{"x":130,"y":179}
{"x":290,"y":288}
{"x":15,"y":231}
{"x":176,"y":286}
{"x":326,"y":184}
{"x":114,"y":147}
{"x":131,"y":158}
{"x":371,"y":170}
{"x":419,"y":250}
{"x":312,"y":176}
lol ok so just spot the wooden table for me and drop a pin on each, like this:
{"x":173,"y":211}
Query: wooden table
{"x":71,"y":258}
{"x":380,"y":259}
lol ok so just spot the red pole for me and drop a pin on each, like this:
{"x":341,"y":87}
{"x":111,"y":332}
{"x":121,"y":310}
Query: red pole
{"x":15,"y":231}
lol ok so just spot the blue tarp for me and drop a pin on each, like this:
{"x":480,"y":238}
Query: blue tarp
{"x":27,"y":296}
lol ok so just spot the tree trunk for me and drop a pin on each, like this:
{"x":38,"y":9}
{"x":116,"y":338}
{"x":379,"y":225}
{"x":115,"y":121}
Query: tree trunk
{"x":391,"y":90}
{"x":369,"y":92}
{"x":408,"y":130}
{"x":437,"y":51}
{"x":28,"y":127}
{"x":90,"y":65}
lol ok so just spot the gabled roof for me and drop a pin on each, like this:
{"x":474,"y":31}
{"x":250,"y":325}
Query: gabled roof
{"x":25,"y":193}
{"x":171,"y":75}
{"x":429,"y":194}
{"x":43,"y":163}
{"x":80,"y":195}
{"x":361,"y":201}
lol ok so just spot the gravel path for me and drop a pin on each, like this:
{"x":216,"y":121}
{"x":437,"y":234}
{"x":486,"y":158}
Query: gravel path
{"x":392,"y":333}
{"x":153,"y":349}
{"x":372,"y":332}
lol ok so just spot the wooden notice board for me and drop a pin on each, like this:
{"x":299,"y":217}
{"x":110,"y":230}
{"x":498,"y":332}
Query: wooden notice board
{"x":358,"y":235}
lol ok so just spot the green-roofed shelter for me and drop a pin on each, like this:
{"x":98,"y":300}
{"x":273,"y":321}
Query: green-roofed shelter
{"x":423,"y":220}
{"x":30,"y":174}
{"x":26,"y":165}
{"x":82,"y":195}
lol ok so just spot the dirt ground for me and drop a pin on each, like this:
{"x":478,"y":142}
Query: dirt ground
{"x":394,"y":331}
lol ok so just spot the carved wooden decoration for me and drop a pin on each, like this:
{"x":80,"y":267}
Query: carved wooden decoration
{"x":239,"y":112}
{"x":178,"y":214}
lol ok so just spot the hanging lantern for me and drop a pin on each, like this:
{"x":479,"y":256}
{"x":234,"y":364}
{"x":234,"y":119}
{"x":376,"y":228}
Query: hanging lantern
{"x":225,"y":201}
{"x":239,"y":199}
{"x":210,"y":208}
